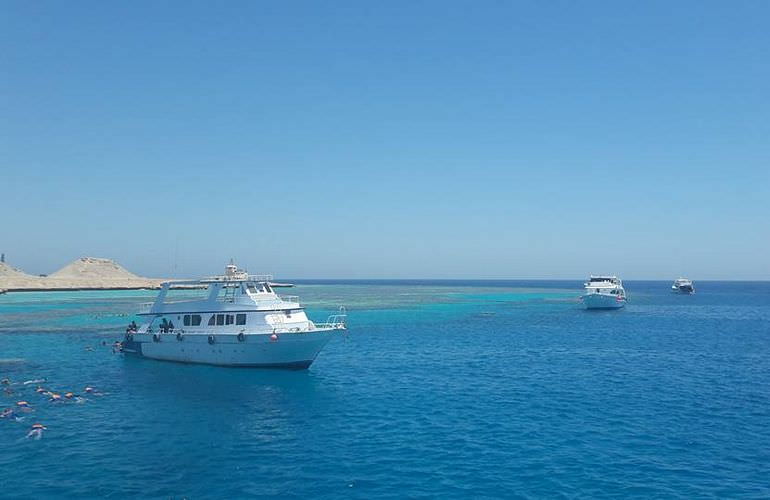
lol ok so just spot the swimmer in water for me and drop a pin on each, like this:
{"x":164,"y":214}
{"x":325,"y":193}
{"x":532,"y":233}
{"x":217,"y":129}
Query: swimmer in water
{"x":55,"y":397}
{"x":23,"y":406}
{"x":36,"y":432}
{"x":9,"y":413}
{"x":40,"y":389}
{"x":5,"y":381}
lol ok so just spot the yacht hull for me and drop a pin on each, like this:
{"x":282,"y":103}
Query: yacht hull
{"x":683,"y":289}
{"x":287,"y":350}
{"x":602,"y":301}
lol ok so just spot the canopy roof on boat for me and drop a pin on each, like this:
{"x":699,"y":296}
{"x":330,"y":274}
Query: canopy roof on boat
{"x":251,"y":278}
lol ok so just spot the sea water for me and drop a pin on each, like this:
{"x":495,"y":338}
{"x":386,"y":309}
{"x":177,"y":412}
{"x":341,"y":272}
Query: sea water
{"x":438,"y":389}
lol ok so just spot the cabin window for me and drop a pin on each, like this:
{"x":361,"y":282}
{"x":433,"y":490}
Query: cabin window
{"x":251,"y":288}
{"x":186,"y":320}
{"x":229,"y":319}
{"x":287,"y":313}
{"x":195,"y":320}
{"x":220,"y":319}
{"x":212,"y":320}
{"x":240,"y":319}
{"x":267,"y":288}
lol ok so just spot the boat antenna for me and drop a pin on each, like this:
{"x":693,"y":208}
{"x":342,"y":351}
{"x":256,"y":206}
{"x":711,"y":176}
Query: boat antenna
{"x":176,"y":257}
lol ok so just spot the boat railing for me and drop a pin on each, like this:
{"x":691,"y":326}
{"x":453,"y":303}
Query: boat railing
{"x":146,"y":307}
{"x":334,"y":321}
{"x":260,"y":278}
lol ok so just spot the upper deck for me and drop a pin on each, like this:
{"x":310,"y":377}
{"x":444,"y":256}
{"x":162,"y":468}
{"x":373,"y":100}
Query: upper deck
{"x":234,"y":291}
{"x":603,"y":282}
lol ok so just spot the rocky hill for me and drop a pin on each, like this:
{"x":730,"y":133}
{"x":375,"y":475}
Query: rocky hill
{"x":87,"y":273}
{"x":7,"y":271}
{"x":94,"y":268}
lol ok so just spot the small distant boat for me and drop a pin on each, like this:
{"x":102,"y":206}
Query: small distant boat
{"x":241,"y":322}
{"x":683,"y":285}
{"x":604,"y":292}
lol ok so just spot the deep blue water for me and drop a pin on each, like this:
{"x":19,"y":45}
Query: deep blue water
{"x":440,"y":389}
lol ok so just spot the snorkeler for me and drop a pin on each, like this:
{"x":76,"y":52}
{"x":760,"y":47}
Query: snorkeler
{"x":6,"y":413}
{"x":23,"y":406}
{"x":93,"y":391}
{"x":36,"y":432}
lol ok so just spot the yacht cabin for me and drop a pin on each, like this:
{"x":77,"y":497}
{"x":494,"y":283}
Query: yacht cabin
{"x":233,"y":300}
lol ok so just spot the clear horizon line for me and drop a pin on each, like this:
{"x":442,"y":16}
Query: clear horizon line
{"x":522,"y":279}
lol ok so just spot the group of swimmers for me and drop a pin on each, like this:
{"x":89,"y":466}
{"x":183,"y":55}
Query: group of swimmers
{"x":21,"y":408}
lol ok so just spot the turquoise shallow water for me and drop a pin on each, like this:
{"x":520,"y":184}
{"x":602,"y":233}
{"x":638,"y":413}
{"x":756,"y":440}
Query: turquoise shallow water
{"x":462,"y":389}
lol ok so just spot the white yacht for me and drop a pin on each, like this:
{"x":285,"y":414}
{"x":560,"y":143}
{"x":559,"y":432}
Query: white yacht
{"x":604,"y":292}
{"x":241,"y":321}
{"x":683,"y":285}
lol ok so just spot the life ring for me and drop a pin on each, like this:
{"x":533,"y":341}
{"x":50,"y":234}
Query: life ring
{"x":179,"y":336}
{"x":241,"y":337}
{"x":155,"y":337}
{"x":211,"y":339}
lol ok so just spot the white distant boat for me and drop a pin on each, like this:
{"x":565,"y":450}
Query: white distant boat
{"x":683,"y":285}
{"x":241,"y":322}
{"x":604,"y":292}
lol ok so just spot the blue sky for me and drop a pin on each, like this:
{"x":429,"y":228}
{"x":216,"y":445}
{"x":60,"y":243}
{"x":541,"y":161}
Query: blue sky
{"x":388,"y":139}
